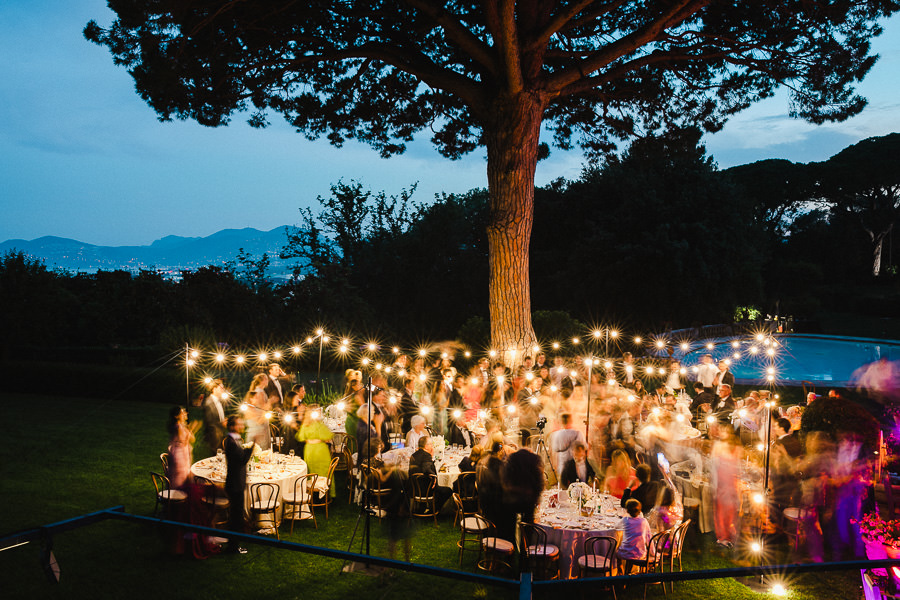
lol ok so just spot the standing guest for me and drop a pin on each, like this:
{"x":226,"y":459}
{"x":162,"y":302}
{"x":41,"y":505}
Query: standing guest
{"x":317,"y":452}
{"x":577,"y":468}
{"x":215,"y":417}
{"x":641,"y":489}
{"x":706,"y":372}
{"x":627,"y":368}
{"x":522,"y":478}
{"x":295,"y":410}
{"x":619,"y":473}
{"x":236,"y":458}
{"x":408,"y":406}
{"x":724,"y":376}
{"x":455,"y":401}
{"x":473,"y":395}
{"x":529,"y":407}
{"x":181,"y":444}
{"x":257,"y":402}
{"x":726,"y":472}
{"x":563,"y":440}
{"x":635,"y":536}
{"x":276,"y":386}
{"x":365,"y":430}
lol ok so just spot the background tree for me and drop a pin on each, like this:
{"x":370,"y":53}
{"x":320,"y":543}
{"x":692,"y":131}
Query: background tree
{"x":492,"y":74}
{"x":863,"y":181}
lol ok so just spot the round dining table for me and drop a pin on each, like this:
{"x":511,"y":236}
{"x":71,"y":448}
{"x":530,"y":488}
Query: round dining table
{"x":567,"y":528}
{"x":278,"y":469}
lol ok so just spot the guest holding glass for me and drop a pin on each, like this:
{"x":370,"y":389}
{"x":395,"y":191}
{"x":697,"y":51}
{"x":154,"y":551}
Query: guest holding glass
{"x":316,"y":452}
{"x":181,"y":444}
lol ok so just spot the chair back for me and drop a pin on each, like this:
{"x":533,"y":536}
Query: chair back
{"x":657,"y":550}
{"x":601,"y":545}
{"x":265,"y":496}
{"x":534,"y":540}
{"x":422,"y":486}
{"x":164,"y":459}
{"x":303,"y":488}
{"x":332,"y":467}
{"x":352,"y":445}
{"x":467,"y":485}
{"x":160,"y":483}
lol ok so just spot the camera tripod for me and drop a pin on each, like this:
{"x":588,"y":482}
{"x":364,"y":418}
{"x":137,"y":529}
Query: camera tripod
{"x":540,"y":448}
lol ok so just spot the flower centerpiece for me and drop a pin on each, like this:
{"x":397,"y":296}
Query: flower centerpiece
{"x":878,"y":532}
{"x":580,"y":493}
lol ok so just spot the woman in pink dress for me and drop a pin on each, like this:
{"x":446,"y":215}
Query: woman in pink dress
{"x":619,"y":473}
{"x":473,"y":395}
{"x":181,"y":445}
{"x":726,"y":471}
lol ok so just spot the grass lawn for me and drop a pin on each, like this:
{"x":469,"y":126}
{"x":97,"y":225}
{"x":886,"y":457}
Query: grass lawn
{"x":62,"y":458}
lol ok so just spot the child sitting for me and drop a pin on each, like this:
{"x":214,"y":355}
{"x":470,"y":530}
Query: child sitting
{"x":636,"y":536}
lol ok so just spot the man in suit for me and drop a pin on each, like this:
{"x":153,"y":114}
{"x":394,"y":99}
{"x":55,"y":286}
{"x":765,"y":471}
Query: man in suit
{"x":707,"y":371}
{"x":724,"y":376}
{"x":236,"y":458}
{"x":642,"y":489}
{"x":577,"y":468}
{"x":214,"y":416}
{"x":725,"y":404}
{"x":276,"y":387}
{"x":422,"y":461}
{"x":702,"y":402}
{"x":408,"y":405}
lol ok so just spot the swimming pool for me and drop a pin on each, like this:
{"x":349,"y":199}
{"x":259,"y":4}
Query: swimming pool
{"x":821,"y":359}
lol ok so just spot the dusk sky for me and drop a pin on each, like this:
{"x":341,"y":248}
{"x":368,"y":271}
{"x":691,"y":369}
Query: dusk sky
{"x":83,"y":157}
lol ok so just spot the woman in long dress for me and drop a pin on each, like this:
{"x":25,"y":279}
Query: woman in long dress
{"x":316,"y":452}
{"x":181,"y":445}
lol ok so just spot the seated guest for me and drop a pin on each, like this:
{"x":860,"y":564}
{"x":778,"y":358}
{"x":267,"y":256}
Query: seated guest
{"x":619,"y":473}
{"x":490,"y":488}
{"x":522,"y":478}
{"x":470,"y":462}
{"x":635,"y":536}
{"x":459,"y":430}
{"x":669,"y":512}
{"x":422,"y":461}
{"x":417,"y":432}
{"x":641,"y":489}
{"x":364,"y":430}
{"x":577,"y":468}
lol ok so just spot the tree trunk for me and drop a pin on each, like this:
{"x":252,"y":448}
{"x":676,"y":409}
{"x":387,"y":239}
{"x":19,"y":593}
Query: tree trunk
{"x":878,"y":241}
{"x":512,"y":139}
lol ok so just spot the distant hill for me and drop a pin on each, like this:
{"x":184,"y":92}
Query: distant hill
{"x":170,"y":254}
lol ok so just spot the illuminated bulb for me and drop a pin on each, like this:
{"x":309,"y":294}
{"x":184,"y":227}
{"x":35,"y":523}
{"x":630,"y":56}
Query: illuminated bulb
{"x":656,"y":410}
{"x":395,"y":350}
{"x":372,"y":347}
{"x":492,"y":354}
{"x":365,"y":361}
{"x":742,"y":413}
{"x":194,"y":354}
{"x":573,"y":373}
{"x":262,"y":357}
{"x":630,"y":398}
{"x":776,"y":397}
{"x":709,"y":346}
{"x":575,"y":340}
{"x":736,"y":355}
{"x":422,"y":376}
{"x":758,"y":498}
{"x":662,"y":371}
{"x":467,"y":354}
{"x":755,"y":547}
{"x":444,"y":355}
{"x":511,"y":408}
{"x":239,"y":359}
{"x":649,"y":370}
{"x":309,"y":340}
{"x":426,"y":410}
{"x":190,"y":362}
{"x":341,"y":405}
{"x":629,"y":369}
{"x":760,"y":447}
{"x":457,"y":413}
{"x":770,"y":352}
{"x":243,"y":407}
{"x":684,"y":346}
{"x":607,"y":365}
{"x":695,"y":369}
{"x":342,"y":349}
{"x":314,"y":415}
{"x":770,"y":371}
{"x":610,"y":381}
{"x":637,"y":340}
{"x":220,"y":358}
{"x":482,"y":414}
{"x":387,"y":369}
{"x":753,"y":349}
{"x":770,"y":378}
{"x":682,"y":371}
{"x":320,"y":331}
{"x":534,"y":400}
{"x":588,"y":362}
{"x":767,"y":342}
{"x":613,"y":334}
{"x":378,"y":366}
{"x":345,"y":342}
{"x":268,"y":416}
{"x":529,"y":376}
{"x":597,"y":333}
{"x":735,"y":344}
{"x":556,"y":345}
{"x":660,"y":344}
{"x":225,"y":395}
{"x":760,"y":337}
{"x":392,"y":400}
{"x":402,"y":372}
{"x":778,"y":590}
{"x":473,"y":381}
{"x":277,"y":355}
{"x":728,"y":361}
{"x":288,"y":418}
{"x":679,"y":417}
{"x":207,"y":380}
{"x":500,"y":379}
{"x":326,"y":339}
{"x":710,"y":419}
{"x":536,"y":349}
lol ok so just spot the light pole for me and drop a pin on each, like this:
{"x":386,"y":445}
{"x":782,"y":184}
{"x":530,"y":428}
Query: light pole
{"x":589,"y":363}
{"x":320,"y":333}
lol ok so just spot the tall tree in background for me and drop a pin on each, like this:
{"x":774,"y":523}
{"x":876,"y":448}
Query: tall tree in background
{"x":491,"y":74}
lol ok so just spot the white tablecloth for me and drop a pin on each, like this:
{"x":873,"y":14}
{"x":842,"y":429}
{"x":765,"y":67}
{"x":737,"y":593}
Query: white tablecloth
{"x":567,"y":529}
{"x":282,"y":475}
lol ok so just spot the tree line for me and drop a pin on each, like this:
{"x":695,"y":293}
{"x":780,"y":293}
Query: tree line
{"x":657,"y":237}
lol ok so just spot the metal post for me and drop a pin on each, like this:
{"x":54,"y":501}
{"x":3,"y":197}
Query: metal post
{"x":319,"y":370}
{"x":587,"y":422}
{"x":187,"y":375}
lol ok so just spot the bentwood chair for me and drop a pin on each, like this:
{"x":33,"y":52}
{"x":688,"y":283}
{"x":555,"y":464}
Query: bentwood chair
{"x":472,"y":529}
{"x":264,"y":504}
{"x":495,"y":552}
{"x":599,"y":558}
{"x":322,"y":490}
{"x":422,"y":499}
{"x":374,"y":491}
{"x":299,"y":500}
{"x":165,"y":495}
{"x":655,"y":559}
{"x":678,"y":535}
{"x":215,"y":501}
{"x":541,"y":558}
{"x":467,"y":489}
{"x":164,"y":459}
{"x":352,"y":474}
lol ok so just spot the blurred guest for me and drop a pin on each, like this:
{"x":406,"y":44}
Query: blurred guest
{"x":707,"y":372}
{"x":276,"y":386}
{"x":470,"y":462}
{"x":577,"y":468}
{"x":316,"y":452}
{"x":522,"y":478}
{"x":215,"y":417}
{"x":815,"y":473}
{"x":641,"y":489}
{"x":257,"y":402}
{"x":562,"y":441}
{"x":619,"y":473}
{"x":181,"y":445}
{"x":236,"y":458}
{"x":635,"y":536}
{"x":408,"y":405}
{"x":669,"y":512}
{"x":422,"y":461}
{"x":460,"y":434}
{"x":295,"y":410}
{"x":490,"y":488}
{"x":366,"y":430}
{"x":724,"y":376}
{"x":725,"y":475}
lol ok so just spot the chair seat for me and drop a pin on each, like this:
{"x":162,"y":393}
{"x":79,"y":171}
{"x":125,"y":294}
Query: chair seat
{"x":322,"y":485}
{"x":550,"y":551}
{"x":289,"y":498}
{"x":218,"y":501}
{"x":473,"y":525}
{"x":172,"y":496}
{"x":497,"y":545}
{"x":594,"y":562}
{"x":265,"y":506}
{"x":792,"y":513}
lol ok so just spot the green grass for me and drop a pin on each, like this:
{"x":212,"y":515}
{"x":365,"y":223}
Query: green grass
{"x":61,"y":458}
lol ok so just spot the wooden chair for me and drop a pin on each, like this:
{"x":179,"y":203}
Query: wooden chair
{"x":599,"y":558}
{"x":165,"y":495}
{"x":678,"y":535}
{"x":323,"y":487}
{"x":495,"y":552}
{"x":421,"y":499}
{"x":467,"y":487}
{"x":655,"y":560}
{"x":277,"y":437}
{"x":215,"y":500}
{"x":264,"y":504}
{"x":164,"y":459}
{"x":299,"y":500}
{"x":541,"y":558}
{"x":471,"y":525}
{"x":352,"y":474}
{"x":374,"y":491}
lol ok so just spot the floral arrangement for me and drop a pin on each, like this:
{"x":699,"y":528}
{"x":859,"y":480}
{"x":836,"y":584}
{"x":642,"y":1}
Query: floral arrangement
{"x":579,"y":492}
{"x":879,"y":530}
